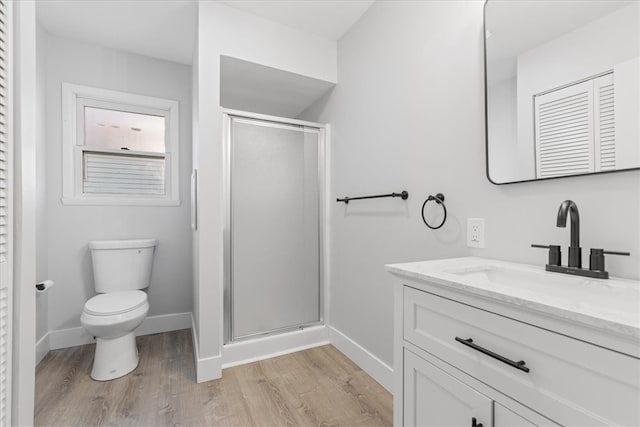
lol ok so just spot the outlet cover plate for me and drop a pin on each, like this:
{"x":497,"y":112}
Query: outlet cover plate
{"x":475,"y":232}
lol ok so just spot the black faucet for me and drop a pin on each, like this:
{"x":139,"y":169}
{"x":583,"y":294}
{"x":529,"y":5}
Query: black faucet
{"x":596,"y":258}
{"x":568,"y":207}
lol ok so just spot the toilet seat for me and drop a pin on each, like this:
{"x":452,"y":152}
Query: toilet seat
{"x":113,"y":303}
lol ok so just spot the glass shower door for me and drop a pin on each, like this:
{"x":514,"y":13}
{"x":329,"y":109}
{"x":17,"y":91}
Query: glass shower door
{"x":274,"y":225}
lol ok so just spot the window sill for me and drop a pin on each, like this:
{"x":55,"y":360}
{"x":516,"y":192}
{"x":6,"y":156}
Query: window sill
{"x":112,"y":201}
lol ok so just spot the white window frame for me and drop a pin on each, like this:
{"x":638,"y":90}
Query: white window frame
{"x":74,"y":99}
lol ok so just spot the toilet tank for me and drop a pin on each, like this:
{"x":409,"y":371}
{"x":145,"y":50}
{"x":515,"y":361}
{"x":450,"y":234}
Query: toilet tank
{"x":122,"y":265}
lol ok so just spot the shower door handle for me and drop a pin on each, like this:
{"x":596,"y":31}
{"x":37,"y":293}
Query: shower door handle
{"x":194,"y":199}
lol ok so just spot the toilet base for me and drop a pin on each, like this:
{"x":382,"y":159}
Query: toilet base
{"x":114,"y":357}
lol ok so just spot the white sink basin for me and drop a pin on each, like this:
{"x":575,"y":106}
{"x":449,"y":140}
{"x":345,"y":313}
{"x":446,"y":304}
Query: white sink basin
{"x":511,"y":277}
{"x":609,"y":295}
{"x":610,"y":304}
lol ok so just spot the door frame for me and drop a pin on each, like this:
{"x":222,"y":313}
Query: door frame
{"x":24,"y":199}
{"x":323,"y":214}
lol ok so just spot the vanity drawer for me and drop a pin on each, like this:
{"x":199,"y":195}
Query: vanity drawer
{"x":570,"y":381}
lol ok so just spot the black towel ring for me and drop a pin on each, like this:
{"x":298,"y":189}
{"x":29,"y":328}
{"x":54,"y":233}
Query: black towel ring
{"x":439,"y":199}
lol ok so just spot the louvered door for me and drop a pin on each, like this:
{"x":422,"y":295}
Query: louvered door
{"x":575,"y":128}
{"x":6,"y":295}
{"x":604,"y":124}
{"x":564,"y":131}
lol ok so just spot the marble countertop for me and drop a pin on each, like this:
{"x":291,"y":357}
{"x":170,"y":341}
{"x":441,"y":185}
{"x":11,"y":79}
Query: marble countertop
{"x":611,"y":305}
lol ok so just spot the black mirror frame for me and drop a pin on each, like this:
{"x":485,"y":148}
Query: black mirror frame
{"x":486,"y":122}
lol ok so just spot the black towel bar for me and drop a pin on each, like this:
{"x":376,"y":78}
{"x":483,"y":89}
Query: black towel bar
{"x":404,"y":195}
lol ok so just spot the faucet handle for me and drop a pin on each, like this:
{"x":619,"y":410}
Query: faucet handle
{"x":616,"y":253}
{"x":596,"y":258}
{"x":555,"y":255}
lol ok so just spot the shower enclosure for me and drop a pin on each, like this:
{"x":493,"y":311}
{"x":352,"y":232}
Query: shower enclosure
{"x":273,"y":238}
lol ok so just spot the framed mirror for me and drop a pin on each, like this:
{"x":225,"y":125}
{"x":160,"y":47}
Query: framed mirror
{"x":562,"y":88}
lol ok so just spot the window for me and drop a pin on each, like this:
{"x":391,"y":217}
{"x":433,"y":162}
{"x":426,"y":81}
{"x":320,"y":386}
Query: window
{"x":119,"y":148}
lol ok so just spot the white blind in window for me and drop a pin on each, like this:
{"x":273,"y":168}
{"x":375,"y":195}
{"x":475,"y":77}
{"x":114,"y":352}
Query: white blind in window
{"x":564,"y":131}
{"x":125,"y":174}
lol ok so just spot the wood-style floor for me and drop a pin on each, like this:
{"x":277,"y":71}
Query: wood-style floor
{"x":319,"y":386}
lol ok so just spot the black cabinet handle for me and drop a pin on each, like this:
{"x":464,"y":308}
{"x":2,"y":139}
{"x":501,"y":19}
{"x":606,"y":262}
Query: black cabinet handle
{"x":474,"y":423}
{"x":469,"y":343}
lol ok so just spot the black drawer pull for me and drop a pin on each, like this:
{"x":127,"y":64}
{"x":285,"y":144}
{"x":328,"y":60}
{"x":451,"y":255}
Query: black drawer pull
{"x":469,"y":343}
{"x":474,"y":423}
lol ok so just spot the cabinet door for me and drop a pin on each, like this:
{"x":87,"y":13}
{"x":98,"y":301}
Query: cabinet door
{"x":503,"y":417}
{"x":434,"y":398}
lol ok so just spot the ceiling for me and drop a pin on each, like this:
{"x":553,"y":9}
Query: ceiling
{"x":156,"y":28}
{"x":167,"y":29}
{"x":327,"y":18}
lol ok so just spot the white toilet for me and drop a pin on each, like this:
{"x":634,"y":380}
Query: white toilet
{"x":121,"y":268}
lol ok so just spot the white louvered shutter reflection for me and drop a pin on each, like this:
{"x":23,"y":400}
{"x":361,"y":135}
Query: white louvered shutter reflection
{"x":123,"y":174}
{"x":605,"y":124}
{"x":5,"y":222}
{"x":564,"y":131}
{"x":575,"y":128}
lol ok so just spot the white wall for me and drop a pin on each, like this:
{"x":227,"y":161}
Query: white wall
{"x":589,"y":50}
{"x":226,"y":31}
{"x":42,"y":299}
{"x":72,"y":227}
{"x":408,"y":114}
{"x":626,"y":99}
{"x":504,"y":157}
{"x":248,"y":86}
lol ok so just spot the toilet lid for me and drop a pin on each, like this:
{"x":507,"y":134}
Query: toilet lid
{"x":115,"y":303}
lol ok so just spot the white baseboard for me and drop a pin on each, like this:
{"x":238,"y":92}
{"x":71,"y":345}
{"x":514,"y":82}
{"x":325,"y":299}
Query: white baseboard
{"x":72,"y":337}
{"x":380,"y":371}
{"x":42,"y":348}
{"x":252,"y":350}
{"x":207,"y":368}
{"x":164,"y":323}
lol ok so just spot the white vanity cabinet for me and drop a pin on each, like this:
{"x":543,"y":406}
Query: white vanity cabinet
{"x":433,"y":397}
{"x":463,"y":359}
{"x":503,"y":417}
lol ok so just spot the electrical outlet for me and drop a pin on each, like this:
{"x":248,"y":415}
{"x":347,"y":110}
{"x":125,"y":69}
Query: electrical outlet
{"x":475,"y":232}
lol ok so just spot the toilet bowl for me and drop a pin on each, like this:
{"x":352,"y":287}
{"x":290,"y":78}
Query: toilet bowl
{"x":112,"y":318}
{"x":121,"y":268}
